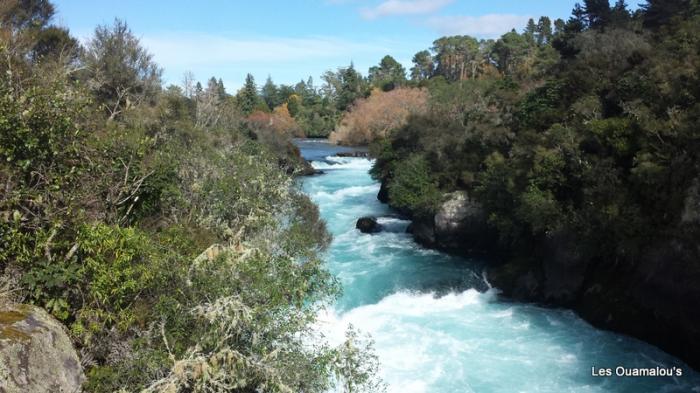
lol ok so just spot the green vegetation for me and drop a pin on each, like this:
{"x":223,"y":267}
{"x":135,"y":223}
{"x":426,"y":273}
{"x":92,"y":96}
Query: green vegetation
{"x":588,"y":127}
{"x":111,"y":190}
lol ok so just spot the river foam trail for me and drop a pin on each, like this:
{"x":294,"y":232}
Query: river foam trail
{"x":438,"y":327}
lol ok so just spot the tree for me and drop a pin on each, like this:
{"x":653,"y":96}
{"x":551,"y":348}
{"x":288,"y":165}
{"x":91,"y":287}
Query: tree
{"x":26,"y":14}
{"x":221,"y":89}
{"x":270,"y":93}
{"x":120,"y":72}
{"x":56,"y":43}
{"x":27,"y":34}
{"x":458,"y":57}
{"x":388,"y":75}
{"x":660,"y":12}
{"x":619,"y":13}
{"x":188,"y":84}
{"x":530,"y":30}
{"x":248,"y":96}
{"x":374,"y":117}
{"x":423,"y":66}
{"x":351,"y":87}
{"x":510,"y":51}
{"x":559,"y":26}
{"x":597,"y":12}
{"x":208,"y":104}
{"x":544,"y":31}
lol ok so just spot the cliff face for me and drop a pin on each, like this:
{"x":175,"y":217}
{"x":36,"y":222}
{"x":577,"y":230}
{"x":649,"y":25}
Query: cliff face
{"x":459,"y":226}
{"x":652,"y":296}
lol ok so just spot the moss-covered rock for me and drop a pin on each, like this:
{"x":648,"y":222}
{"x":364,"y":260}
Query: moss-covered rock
{"x":36,"y":354}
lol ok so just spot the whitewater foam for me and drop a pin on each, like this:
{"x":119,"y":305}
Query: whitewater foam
{"x":434,"y":331}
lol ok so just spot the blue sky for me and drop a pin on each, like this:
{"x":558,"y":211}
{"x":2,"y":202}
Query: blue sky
{"x":292,"y":40}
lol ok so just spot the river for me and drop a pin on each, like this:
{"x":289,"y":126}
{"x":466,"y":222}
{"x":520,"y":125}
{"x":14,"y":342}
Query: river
{"x":438,"y":327}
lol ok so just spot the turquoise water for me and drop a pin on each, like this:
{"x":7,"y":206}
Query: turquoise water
{"x":438,"y":326}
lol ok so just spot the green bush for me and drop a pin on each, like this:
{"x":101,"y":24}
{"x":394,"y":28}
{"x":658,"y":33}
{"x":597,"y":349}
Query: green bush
{"x":413,"y":187}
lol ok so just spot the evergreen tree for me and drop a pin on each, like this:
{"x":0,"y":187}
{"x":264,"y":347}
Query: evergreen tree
{"x":221,"y":90}
{"x":597,"y":12}
{"x":660,"y":12}
{"x":544,"y":31}
{"x":270,"y":94}
{"x":530,"y":30}
{"x":352,"y":87}
{"x":248,"y":96}
{"x":559,"y":26}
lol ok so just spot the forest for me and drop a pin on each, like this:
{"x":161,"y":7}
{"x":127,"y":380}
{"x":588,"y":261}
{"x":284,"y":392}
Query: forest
{"x":578,"y":143}
{"x":162,"y":225}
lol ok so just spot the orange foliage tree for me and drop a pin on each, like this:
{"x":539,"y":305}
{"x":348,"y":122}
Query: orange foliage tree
{"x":279,"y":121}
{"x":381,"y":112}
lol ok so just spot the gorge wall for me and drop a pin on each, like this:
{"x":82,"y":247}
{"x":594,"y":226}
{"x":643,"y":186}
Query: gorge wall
{"x":652,"y":296}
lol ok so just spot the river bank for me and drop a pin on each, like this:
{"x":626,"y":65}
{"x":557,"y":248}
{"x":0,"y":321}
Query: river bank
{"x":437,"y":325}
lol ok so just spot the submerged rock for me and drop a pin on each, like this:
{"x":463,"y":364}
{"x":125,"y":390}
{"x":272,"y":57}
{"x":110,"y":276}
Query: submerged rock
{"x":368,"y":225}
{"x":36,"y":354}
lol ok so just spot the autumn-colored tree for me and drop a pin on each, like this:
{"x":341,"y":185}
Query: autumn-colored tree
{"x":373,"y":117}
{"x":280,"y":121}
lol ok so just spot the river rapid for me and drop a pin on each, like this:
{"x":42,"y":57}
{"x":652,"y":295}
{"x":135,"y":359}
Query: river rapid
{"x":437,"y":324}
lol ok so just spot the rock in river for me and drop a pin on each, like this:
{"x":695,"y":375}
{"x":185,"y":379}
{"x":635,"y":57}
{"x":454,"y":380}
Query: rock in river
{"x":368,"y":225}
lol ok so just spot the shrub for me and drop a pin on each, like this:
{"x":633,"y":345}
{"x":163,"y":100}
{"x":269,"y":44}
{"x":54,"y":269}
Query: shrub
{"x":413,"y":188}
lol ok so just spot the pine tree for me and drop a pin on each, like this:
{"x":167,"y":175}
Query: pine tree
{"x":248,"y":96}
{"x":544,"y":31}
{"x":660,"y":12}
{"x":270,"y":94}
{"x":530,"y":30}
{"x":597,"y":12}
{"x":221,"y":89}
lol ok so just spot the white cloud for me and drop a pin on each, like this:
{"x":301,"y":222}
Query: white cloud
{"x":202,"y":49}
{"x":491,"y":25}
{"x":403,"y":7}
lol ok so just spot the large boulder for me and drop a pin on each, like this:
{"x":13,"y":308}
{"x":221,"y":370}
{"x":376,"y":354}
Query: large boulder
{"x":460,"y":222}
{"x":459,"y":225}
{"x":368,"y":225}
{"x":36,"y":354}
{"x":423,"y":231}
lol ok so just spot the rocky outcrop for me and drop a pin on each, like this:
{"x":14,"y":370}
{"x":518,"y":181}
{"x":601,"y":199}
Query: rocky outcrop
{"x":36,"y":354}
{"x":368,"y":225}
{"x":564,"y":264}
{"x":383,"y":195}
{"x":304,"y":168}
{"x":357,"y":154}
{"x":652,"y":297}
{"x":458,"y":226}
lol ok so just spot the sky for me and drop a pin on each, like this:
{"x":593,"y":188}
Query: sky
{"x":292,"y":40}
